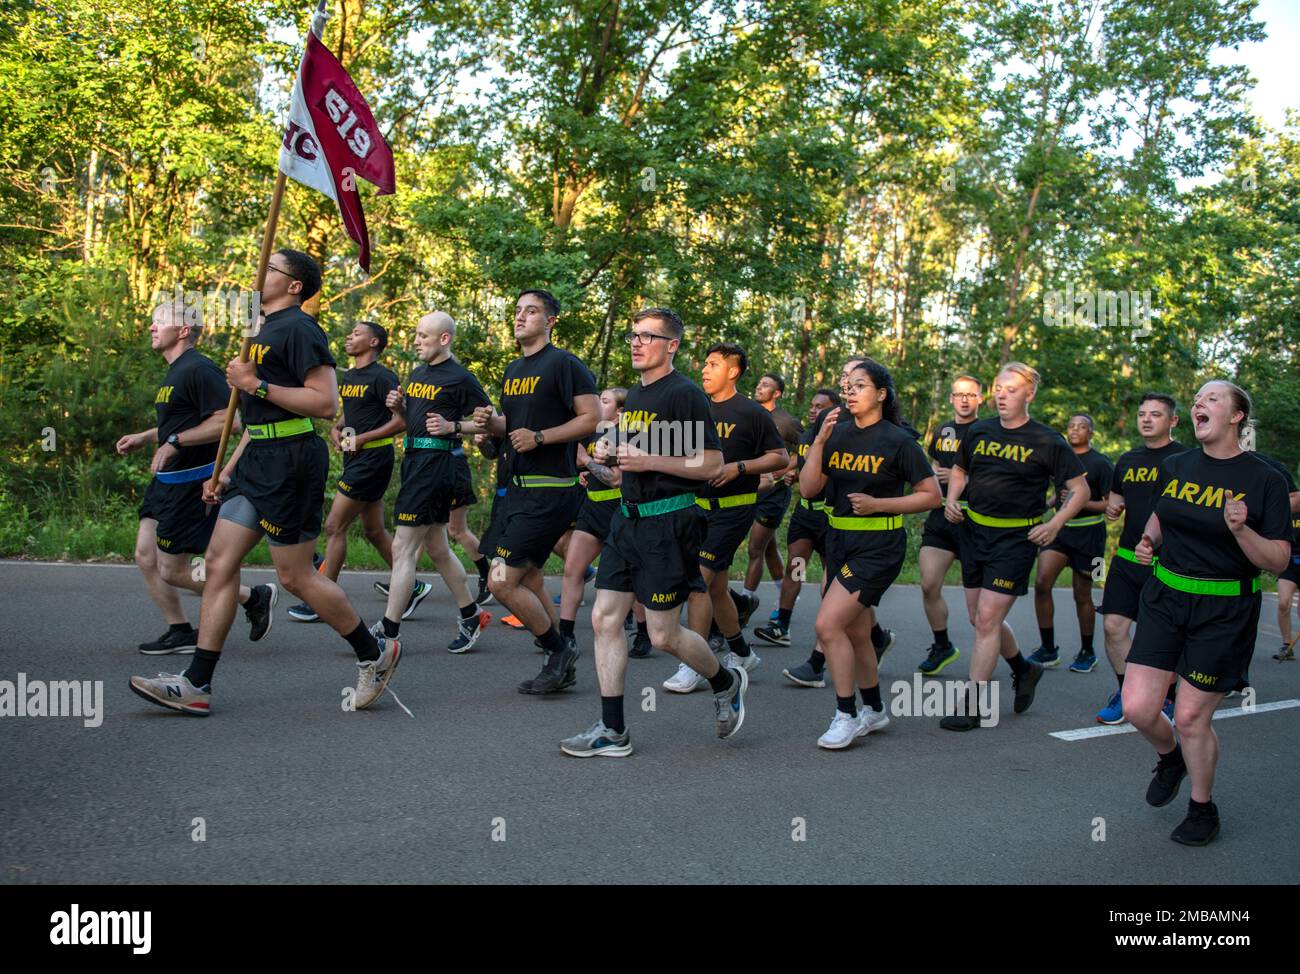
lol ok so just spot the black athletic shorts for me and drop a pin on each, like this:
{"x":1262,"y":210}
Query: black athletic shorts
{"x":535,"y":519}
{"x":939,"y":532}
{"x":1124,"y":583}
{"x":807,"y":525}
{"x":771,"y":507}
{"x":463,"y":486}
{"x":1084,"y":548}
{"x":284,"y":481}
{"x":727,"y":528}
{"x":865,"y":563}
{"x":185,"y":523}
{"x":366,"y":474}
{"x":998,"y":559}
{"x":1292,"y":571}
{"x":655,"y":557}
{"x":487,"y":542}
{"x":432,"y":481}
{"x":594,"y":517}
{"x":1208,"y":640}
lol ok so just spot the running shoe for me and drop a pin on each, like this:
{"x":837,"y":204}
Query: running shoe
{"x":259,"y":610}
{"x":1167,"y":776}
{"x":172,"y":642}
{"x":774,"y":617}
{"x":937,"y":657}
{"x":1113,"y":712}
{"x":302,"y":612}
{"x":805,"y":675}
{"x":844,"y":730}
{"x":555,"y":601}
{"x":685,"y":680}
{"x":1287,"y":652}
{"x":382,"y":588}
{"x":641,"y":647}
{"x":773,"y":634}
{"x":485,"y":596}
{"x":891,"y":637}
{"x":1024,"y":686}
{"x":729,"y":705}
{"x":747,"y":663}
{"x":960,"y":722}
{"x":373,"y":675}
{"x":629,"y":623}
{"x":513,"y":622}
{"x":589,"y":574}
{"x":175,"y":692}
{"x":1050,"y":658}
{"x":1199,"y":827}
{"x":316,"y":561}
{"x":418,"y":595}
{"x":559,"y":672}
{"x":872,"y":720}
{"x":1168,"y":710}
{"x":1084,"y":662}
{"x":751,"y":603}
{"x":717,"y":644}
{"x":598,"y":741}
{"x":468,"y":631}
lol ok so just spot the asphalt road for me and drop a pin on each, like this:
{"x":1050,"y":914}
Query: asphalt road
{"x":473,"y":788}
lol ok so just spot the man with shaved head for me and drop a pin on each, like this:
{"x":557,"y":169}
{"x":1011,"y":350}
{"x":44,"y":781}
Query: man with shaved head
{"x":439,"y":397}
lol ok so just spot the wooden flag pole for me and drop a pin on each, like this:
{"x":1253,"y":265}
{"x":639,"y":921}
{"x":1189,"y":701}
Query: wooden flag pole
{"x":268,"y":243}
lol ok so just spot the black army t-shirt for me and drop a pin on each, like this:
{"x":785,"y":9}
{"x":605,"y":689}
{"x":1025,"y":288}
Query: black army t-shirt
{"x":1011,"y":470}
{"x":289,"y":345}
{"x":448,"y":389}
{"x":363,"y":392}
{"x":881,"y":460}
{"x":669,"y":417}
{"x":1135,"y":477}
{"x":746,"y":431}
{"x":537,"y":393}
{"x":193,"y":389}
{"x":946,"y":441}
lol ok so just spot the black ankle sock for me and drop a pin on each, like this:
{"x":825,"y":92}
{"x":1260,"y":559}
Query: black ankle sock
{"x":363,"y":643}
{"x":714,"y":630}
{"x":818,"y":660}
{"x":738,"y":645}
{"x":469,"y":611}
{"x":847,"y":705}
{"x":1119,"y":677}
{"x":1086,"y":639}
{"x":552,"y":641}
{"x":1019,"y":665}
{"x":878,"y":637}
{"x":566,"y":630}
{"x":201,"y":666}
{"x":941,"y":638}
{"x":783,"y":618}
{"x":483,"y":567}
{"x":871,"y":697}
{"x":1204,"y":806}
{"x":641,"y":630}
{"x":721,"y":680}
{"x":391,"y":628}
{"x":180,"y":627}
{"x":1048,"y":638}
{"x":1174,"y":757}
{"x":611,"y":713}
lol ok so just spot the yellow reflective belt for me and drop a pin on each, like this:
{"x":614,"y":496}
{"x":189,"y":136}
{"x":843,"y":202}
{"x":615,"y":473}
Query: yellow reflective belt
{"x":1002,"y":522}
{"x":890,"y":522}
{"x":735,"y":500}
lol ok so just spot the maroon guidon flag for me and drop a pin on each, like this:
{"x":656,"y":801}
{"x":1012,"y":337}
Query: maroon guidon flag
{"x":332,"y":138}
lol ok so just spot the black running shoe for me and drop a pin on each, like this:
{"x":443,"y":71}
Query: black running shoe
{"x":558,"y":672}
{"x":629,"y":624}
{"x":641,"y":647}
{"x":960,"y":722}
{"x":1024,"y":686}
{"x":749,"y":608}
{"x":382,"y":589}
{"x":260,"y":610}
{"x":1199,"y":827}
{"x":418,"y":594}
{"x":302,"y":612}
{"x":179,"y":643}
{"x":937,"y":658}
{"x":891,"y":637}
{"x":484,"y":596}
{"x":317,"y":561}
{"x":1169,"y":773}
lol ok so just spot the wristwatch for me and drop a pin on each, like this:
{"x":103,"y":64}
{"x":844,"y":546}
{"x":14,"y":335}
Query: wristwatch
{"x":740,"y":468}
{"x":539,"y":438}
{"x":262,"y":389}
{"x":174,"y":440}
{"x":458,"y":427}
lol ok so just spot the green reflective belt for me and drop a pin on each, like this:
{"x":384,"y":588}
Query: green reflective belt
{"x":1205,"y":586}
{"x":880,"y":522}
{"x":538,"y":480}
{"x":1002,"y":522}
{"x":812,"y":505}
{"x":735,"y":500}
{"x":428,"y":443}
{"x":1128,"y":555}
{"x":597,"y":496}
{"x":651,"y":508}
{"x":386,"y":441}
{"x":1085,"y":522}
{"x":278,"y":431}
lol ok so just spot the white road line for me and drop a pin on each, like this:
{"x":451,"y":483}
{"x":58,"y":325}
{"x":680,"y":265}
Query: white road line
{"x":1106,"y":730}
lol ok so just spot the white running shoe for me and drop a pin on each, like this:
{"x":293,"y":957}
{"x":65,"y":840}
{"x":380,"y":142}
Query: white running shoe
{"x":872,"y":720}
{"x":844,"y":730}
{"x":685,"y":680}
{"x":373,"y":675}
{"x":747,"y":663}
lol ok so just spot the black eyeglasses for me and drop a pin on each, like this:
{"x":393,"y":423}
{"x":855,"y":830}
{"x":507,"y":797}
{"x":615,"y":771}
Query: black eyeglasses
{"x":644,"y":337}
{"x":272,"y":267}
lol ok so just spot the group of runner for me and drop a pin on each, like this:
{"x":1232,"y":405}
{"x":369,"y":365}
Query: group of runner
{"x":664,"y":482}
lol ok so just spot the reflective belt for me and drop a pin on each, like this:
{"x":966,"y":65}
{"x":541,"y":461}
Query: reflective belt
{"x":278,"y":431}
{"x":1129,"y":555}
{"x":879,"y":522}
{"x":599,"y":496}
{"x":651,"y":508}
{"x":735,"y":500}
{"x":386,"y":441}
{"x":1002,"y":522}
{"x":1206,"y":586}
{"x":184,"y":476}
{"x":538,"y":480}
{"x":812,"y":505}
{"x":1085,"y":522}
{"x":428,"y":443}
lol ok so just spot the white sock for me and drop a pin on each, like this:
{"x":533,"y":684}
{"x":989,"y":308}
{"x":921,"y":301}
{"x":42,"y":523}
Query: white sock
{"x":747,"y":593}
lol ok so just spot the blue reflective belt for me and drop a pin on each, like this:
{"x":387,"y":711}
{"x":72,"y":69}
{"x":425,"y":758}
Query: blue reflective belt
{"x":184,"y":476}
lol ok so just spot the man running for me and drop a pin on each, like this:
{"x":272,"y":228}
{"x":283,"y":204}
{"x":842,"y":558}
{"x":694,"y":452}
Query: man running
{"x":940,"y":538}
{"x":435,"y":407}
{"x":1133,"y":497}
{"x":751,"y":446}
{"x":774,"y":491}
{"x":276,"y":480}
{"x":548,"y":404}
{"x":363,"y":433}
{"x":668,"y":448}
{"x":174,"y":522}
{"x":1004,"y":468}
{"x":1082,"y":546}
